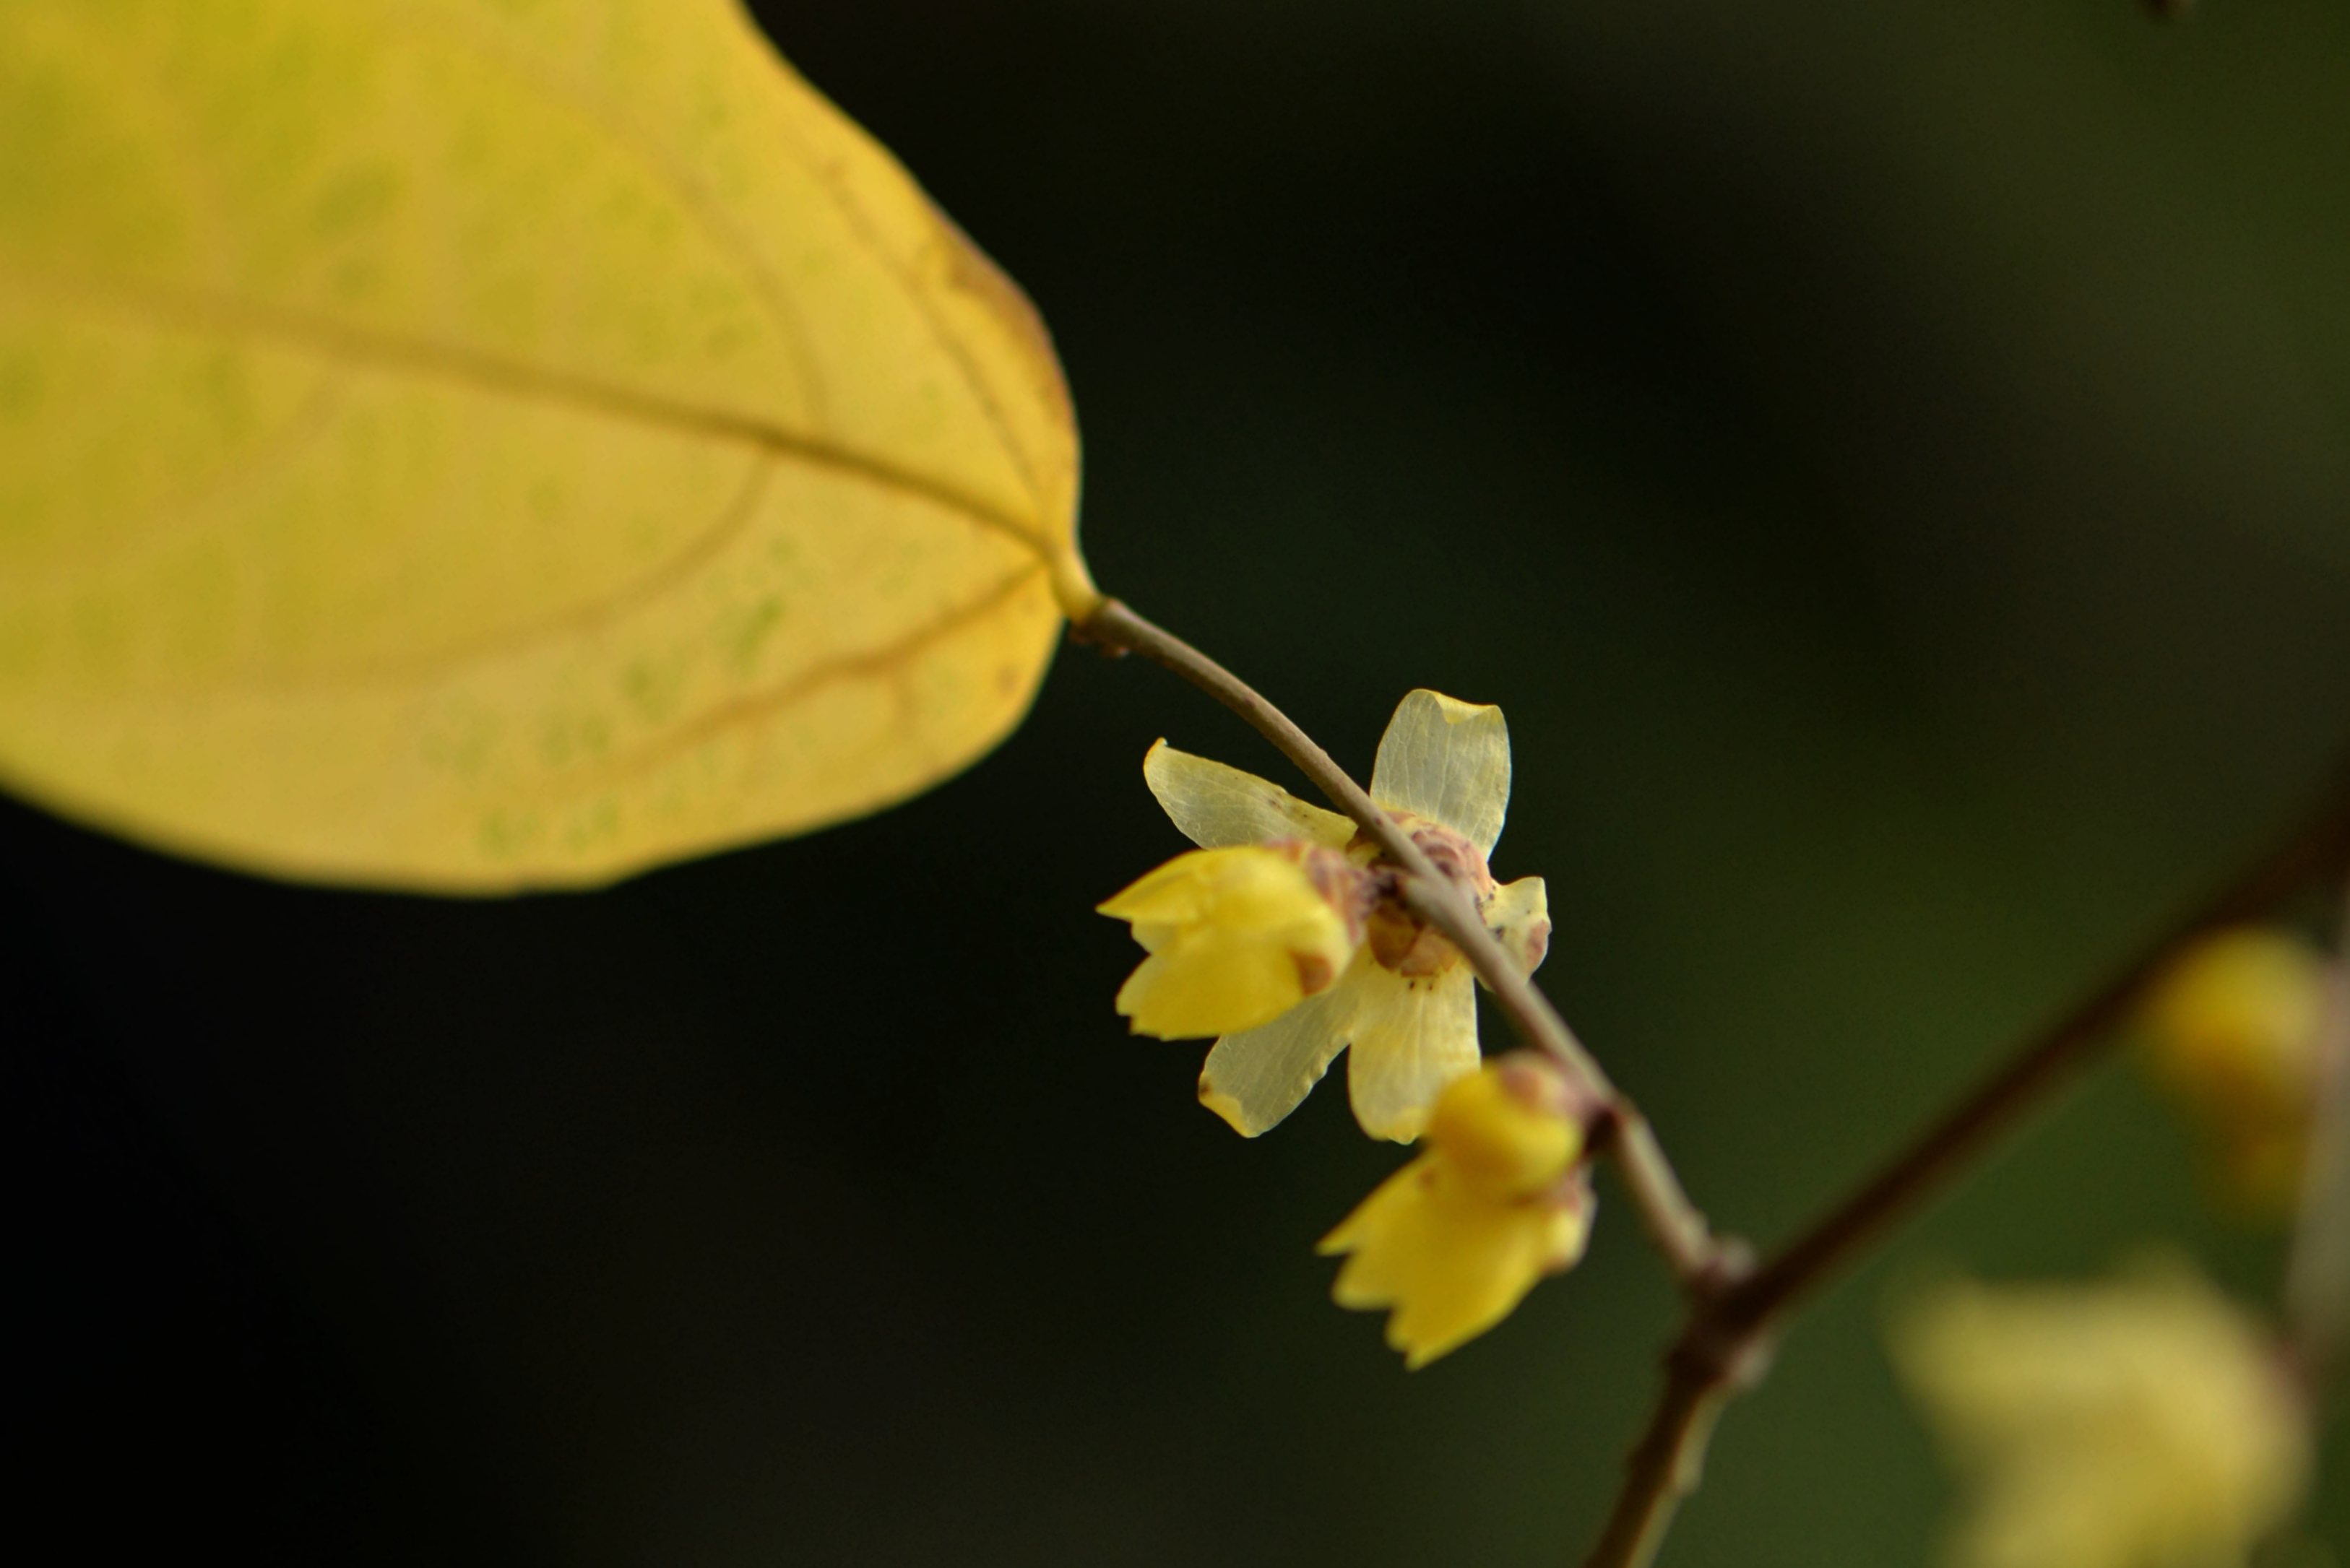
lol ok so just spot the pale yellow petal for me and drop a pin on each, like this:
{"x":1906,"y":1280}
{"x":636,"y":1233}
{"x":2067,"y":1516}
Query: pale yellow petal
{"x":1518,"y":914}
{"x":1215,"y":804}
{"x":1411,"y":1038}
{"x":2141,"y":1423}
{"x":1447,"y":761}
{"x":1256,"y":1077}
{"x":2058,"y":1512}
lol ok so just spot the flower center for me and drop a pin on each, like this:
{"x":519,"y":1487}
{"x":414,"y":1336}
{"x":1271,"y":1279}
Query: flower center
{"x":1398,"y":940}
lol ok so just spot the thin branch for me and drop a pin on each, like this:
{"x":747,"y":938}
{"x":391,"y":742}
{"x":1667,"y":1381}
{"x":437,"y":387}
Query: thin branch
{"x":2320,"y":847}
{"x":1728,"y":1335}
{"x":1672,"y":1222}
{"x":1664,"y":1466}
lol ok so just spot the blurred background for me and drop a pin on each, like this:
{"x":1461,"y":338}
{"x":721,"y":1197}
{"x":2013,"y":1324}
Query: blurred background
{"x":1890,"y":462}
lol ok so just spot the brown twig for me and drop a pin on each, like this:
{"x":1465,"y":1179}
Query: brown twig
{"x":1672,"y":1222}
{"x":1663,"y":1468}
{"x":1729,"y":1334}
{"x":2320,"y":846}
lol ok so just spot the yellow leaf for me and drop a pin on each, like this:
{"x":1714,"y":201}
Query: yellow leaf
{"x":489,"y":443}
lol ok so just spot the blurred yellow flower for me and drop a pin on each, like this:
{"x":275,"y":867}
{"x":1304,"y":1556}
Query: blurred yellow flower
{"x":1455,"y":1240}
{"x":1404,"y":1003}
{"x":2143,"y":1424}
{"x":1236,"y":936}
{"x":2232,"y":1035}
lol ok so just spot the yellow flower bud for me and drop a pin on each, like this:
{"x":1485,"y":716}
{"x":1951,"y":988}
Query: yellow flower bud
{"x":1237,"y":937}
{"x":2239,"y":1015}
{"x":2231,"y":1035}
{"x":1455,"y":1240}
{"x":2143,"y":1424}
{"x":1507,"y":1129}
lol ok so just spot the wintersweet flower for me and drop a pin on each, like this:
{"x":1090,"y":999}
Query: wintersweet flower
{"x":1455,"y":1240}
{"x":2232,"y":1035}
{"x":2142,"y":1424}
{"x":1403,"y":1002}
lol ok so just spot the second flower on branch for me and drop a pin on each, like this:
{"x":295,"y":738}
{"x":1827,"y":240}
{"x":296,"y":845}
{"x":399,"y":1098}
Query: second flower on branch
{"x":1291,"y":938}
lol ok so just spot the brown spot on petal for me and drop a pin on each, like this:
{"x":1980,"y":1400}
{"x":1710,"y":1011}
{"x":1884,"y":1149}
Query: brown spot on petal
{"x":1532,"y":1080}
{"x":1537,"y":946}
{"x":1313,"y":972}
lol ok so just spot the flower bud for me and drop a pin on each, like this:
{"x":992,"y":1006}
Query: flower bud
{"x":2232,"y":1035}
{"x":1509,"y":1130}
{"x":1454,"y":1241}
{"x":2238,"y":1018}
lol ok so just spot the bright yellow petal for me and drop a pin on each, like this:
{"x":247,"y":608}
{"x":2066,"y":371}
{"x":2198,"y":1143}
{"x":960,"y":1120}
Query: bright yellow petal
{"x":1169,"y":892}
{"x":1381,"y":1214}
{"x":1197,"y":989}
{"x":1239,"y":886}
{"x":1492,"y":1258}
{"x":1215,"y":804}
{"x":1447,"y":761}
{"x":1410,"y":1039}
{"x":1518,"y":914}
{"x":1236,"y":936}
{"x":1256,"y":1077}
{"x":1450,"y":1265}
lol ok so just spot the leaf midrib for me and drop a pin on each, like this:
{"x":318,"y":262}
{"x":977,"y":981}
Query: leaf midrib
{"x":487,"y":371}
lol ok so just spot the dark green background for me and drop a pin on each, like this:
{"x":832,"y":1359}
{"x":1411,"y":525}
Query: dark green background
{"x":1889,"y":461}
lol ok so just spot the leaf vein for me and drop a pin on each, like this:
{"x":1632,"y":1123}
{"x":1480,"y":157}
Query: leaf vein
{"x":692,"y":198}
{"x":492,"y":373}
{"x":889,"y":660}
